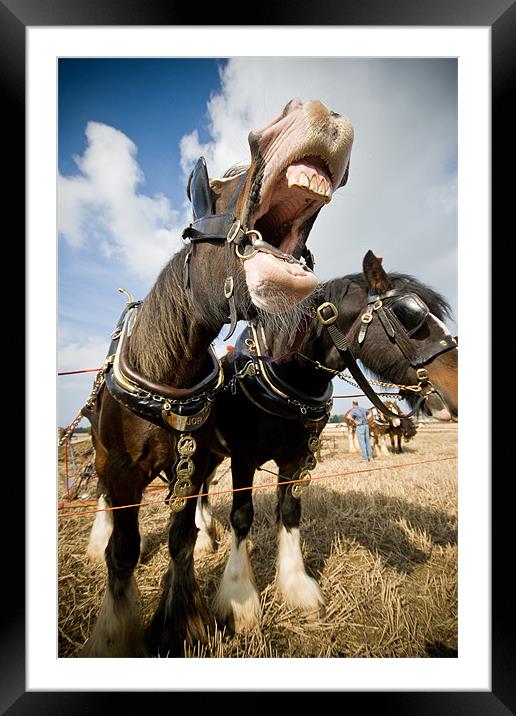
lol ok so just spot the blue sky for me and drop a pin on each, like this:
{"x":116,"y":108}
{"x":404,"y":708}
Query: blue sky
{"x":129,"y":131}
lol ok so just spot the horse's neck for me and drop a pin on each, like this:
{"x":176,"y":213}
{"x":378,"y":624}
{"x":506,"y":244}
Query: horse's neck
{"x":171,"y":337}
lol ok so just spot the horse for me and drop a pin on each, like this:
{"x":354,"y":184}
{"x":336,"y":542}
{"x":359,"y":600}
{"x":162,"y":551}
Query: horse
{"x":277,"y":399}
{"x":151,"y":408}
{"x":382,"y":426}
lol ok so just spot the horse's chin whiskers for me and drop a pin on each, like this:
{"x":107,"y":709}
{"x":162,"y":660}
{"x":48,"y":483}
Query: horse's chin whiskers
{"x":287,"y":320}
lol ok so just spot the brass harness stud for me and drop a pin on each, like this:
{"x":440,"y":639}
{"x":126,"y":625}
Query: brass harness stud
{"x":304,"y":478}
{"x":185,"y":468}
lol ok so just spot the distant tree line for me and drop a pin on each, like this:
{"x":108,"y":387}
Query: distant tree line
{"x":85,"y":430}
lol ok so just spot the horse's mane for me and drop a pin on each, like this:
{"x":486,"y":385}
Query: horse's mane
{"x":235,"y":170}
{"x":336,"y":289}
{"x":160,"y":333}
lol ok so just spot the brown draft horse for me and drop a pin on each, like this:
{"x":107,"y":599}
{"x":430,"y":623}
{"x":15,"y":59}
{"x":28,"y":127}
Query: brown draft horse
{"x":255,"y":425}
{"x":267,"y":210}
{"x":395,"y":429}
{"x":381,"y":427}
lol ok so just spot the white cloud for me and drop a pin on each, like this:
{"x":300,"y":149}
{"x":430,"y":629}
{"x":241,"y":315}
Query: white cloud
{"x":85,"y":354}
{"x":104,"y":203}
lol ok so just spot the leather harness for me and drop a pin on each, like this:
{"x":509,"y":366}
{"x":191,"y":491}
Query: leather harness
{"x":407,"y":308}
{"x":182,"y":409}
{"x":401,"y":315}
{"x":261,"y":384}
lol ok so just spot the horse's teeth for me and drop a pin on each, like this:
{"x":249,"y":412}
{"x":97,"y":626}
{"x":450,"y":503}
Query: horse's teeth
{"x":303,"y":180}
{"x":315,"y":185}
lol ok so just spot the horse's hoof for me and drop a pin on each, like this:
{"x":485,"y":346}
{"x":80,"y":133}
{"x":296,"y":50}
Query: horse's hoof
{"x":241,"y":609}
{"x":204,"y":544}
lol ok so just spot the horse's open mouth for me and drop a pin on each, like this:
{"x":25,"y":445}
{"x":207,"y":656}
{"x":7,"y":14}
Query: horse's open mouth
{"x":289,"y":203}
{"x":299,"y":160}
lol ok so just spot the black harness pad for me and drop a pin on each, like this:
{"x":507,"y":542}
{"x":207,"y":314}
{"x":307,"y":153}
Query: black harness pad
{"x":262,"y":384}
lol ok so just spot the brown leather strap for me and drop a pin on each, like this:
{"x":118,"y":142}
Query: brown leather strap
{"x":167,"y":391}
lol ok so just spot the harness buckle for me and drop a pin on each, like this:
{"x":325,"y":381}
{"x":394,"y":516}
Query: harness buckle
{"x":422,"y":374}
{"x":233,"y":231}
{"x":228,"y":287}
{"x":332,"y":318}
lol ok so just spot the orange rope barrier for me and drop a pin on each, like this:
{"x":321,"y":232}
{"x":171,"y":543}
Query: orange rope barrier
{"x":255,"y":487}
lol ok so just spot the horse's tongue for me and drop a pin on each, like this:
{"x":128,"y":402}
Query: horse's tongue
{"x":310,"y":177}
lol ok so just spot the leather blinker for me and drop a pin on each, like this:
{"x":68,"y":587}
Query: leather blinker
{"x":410,"y":310}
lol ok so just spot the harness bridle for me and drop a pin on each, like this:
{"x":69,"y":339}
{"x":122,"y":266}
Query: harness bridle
{"x":210,"y":226}
{"x":401,"y":315}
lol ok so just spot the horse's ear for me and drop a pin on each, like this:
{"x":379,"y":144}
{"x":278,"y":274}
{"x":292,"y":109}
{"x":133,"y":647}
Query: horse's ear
{"x":199,"y":191}
{"x":377,"y":279}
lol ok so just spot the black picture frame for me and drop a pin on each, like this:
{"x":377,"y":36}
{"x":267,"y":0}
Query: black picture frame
{"x":500,"y":16}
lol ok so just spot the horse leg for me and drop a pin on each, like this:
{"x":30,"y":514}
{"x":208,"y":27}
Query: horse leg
{"x":205,"y":542}
{"x":237,"y":601}
{"x":393,"y":445}
{"x":383,"y":442}
{"x":356,"y":446}
{"x":378,"y":443}
{"x":100,"y":531}
{"x":351,"y":447}
{"x":182,"y":615}
{"x":293,"y":583}
{"x":103,"y":522}
{"x":118,"y":631}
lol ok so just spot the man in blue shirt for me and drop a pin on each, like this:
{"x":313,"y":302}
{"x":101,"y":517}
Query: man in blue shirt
{"x":360,"y":417}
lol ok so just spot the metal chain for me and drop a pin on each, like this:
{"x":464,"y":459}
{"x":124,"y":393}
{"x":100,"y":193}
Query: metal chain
{"x":97,"y":384}
{"x":169,"y":402}
{"x":382,"y":384}
{"x":303,"y":408}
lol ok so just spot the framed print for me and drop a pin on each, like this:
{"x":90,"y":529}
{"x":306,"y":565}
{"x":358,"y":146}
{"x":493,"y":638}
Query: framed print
{"x":43,"y":51}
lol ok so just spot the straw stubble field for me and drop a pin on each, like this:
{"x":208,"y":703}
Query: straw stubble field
{"x":382,"y":544}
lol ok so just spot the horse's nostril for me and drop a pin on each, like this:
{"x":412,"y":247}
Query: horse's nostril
{"x":295,"y":102}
